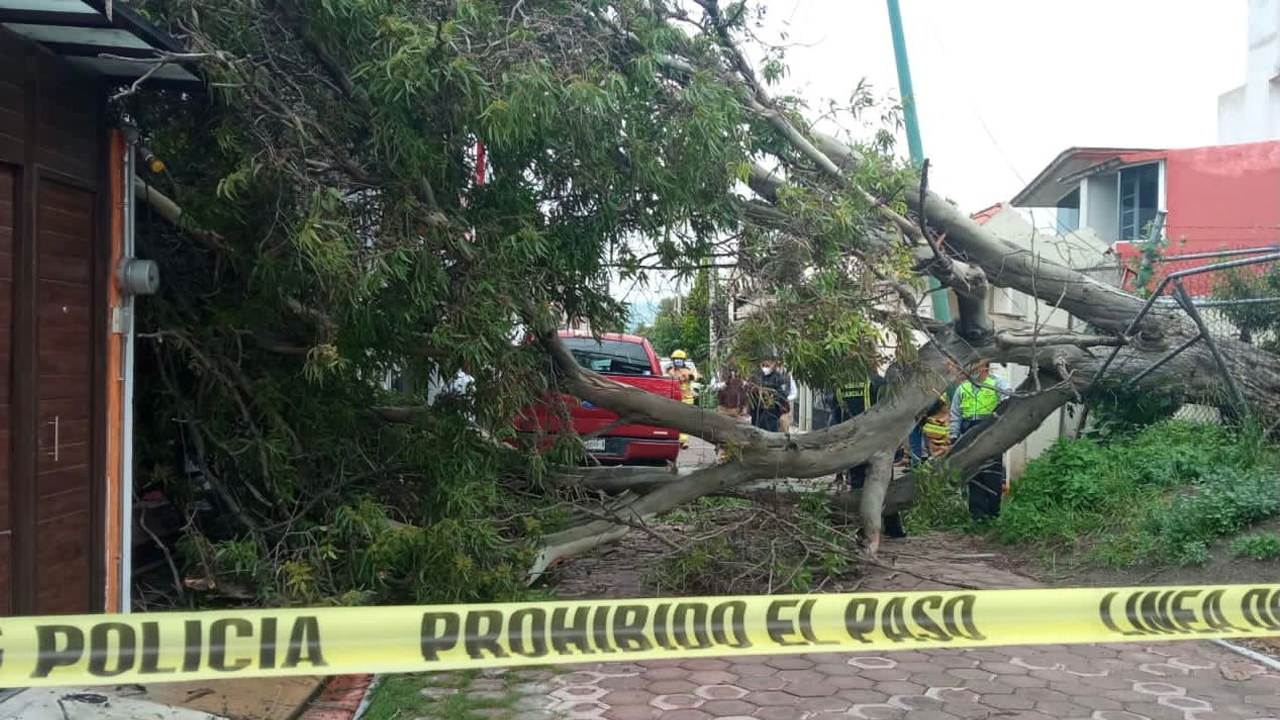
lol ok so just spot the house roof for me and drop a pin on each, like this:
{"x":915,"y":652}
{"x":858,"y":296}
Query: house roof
{"x":104,"y":37}
{"x":1063,"y":174}
{"x":982,"y":216}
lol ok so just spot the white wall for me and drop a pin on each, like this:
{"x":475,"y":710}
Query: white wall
{"x":1080,"y":250}
{"x":1251,"y":112}
{"x":1100,"y":206}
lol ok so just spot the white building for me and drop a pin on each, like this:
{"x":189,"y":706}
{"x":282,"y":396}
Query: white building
{"x":1251,"y":112}
{"x":1080,"y":250}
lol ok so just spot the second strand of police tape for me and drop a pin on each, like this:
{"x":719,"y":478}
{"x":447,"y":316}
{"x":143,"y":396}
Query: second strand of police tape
{"x":160,"y":647}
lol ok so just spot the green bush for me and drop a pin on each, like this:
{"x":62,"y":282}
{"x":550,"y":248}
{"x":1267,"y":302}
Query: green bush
{"x":937,"y":505}
{"x":1160,"y":495}
{"x":1119,"y":412}
{"x":1262,"y":546}
{"x":1222,"y":504}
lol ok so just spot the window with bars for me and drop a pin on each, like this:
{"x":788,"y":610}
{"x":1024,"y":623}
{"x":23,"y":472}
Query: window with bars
{"x":1139,"y":199}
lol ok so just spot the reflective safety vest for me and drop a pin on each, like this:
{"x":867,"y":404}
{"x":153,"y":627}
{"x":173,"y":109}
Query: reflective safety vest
{"x":938,"y":424}
{"x":936,"y":430}
{"x":980,"y":401}
{"x":684,"y":377}
{"x":856,"y":390}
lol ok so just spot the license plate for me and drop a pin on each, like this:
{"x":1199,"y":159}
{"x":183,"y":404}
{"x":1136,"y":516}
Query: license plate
{"x":595,"y":444}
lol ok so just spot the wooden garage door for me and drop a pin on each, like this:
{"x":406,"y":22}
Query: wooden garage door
{"x":7,"y":206}
{"x":63,"y":491}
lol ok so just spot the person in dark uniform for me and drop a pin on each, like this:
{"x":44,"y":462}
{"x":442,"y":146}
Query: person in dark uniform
{"x":767,"y":395}
{"x":852,"y":400}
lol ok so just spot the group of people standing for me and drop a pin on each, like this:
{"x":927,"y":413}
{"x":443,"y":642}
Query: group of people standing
{"x":766,"y":399}
{"x":961,"y":408}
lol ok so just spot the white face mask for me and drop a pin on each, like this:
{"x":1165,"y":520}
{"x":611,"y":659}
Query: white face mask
{"x":766,"y":369}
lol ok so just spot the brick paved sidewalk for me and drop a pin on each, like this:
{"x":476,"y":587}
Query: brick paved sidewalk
{"x":1170,"y":681}
{"x":1173,"y":681}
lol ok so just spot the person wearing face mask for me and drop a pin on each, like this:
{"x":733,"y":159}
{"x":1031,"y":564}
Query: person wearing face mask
{"x":768,"y":395}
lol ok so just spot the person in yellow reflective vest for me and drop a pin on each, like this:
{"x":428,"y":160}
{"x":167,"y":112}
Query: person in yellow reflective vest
{"x":685,"y":376}
{"x":973,"y":404}
{"x":853,"y":399}
{"x":936,"y":426}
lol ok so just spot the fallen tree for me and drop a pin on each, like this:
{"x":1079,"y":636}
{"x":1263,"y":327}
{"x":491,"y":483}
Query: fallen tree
{"x":350,"y":229}
{"x":969,"y":262}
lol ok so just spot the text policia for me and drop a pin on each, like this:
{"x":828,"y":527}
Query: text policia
{"x":160,"y":647}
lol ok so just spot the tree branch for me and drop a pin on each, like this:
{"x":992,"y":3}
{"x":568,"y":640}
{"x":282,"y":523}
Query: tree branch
{"x":1011,"y":339}
{"x":173,"y":213}
{"x":1014,"y":421}
{"x":648,"y":408}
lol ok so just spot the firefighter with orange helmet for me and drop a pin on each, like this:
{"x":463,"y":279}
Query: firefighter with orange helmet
{"x":685,"y":376}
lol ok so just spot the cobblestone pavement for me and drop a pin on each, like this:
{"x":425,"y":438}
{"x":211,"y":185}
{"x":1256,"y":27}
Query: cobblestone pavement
{"x":1169,"y":681}
{"x":1174,"y":681}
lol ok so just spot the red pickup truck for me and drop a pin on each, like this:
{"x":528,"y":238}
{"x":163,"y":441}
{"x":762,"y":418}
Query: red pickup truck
{"x":626,"y":359}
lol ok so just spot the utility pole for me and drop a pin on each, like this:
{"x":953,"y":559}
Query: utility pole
{"x":941,"y":308}
{"x":712,"y":356}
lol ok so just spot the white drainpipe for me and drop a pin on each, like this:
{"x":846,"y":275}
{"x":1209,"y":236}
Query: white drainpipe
{"x":126,"y":425}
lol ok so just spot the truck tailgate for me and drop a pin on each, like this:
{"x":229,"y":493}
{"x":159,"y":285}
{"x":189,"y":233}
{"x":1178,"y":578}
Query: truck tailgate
{"x":588,"y":418}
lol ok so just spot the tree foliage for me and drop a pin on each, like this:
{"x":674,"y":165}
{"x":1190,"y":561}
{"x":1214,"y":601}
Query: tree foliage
{"x":332,"y":171}
{"x":684,"y":323}
{"x":337,"y":232}
{"x":1259,"y":320}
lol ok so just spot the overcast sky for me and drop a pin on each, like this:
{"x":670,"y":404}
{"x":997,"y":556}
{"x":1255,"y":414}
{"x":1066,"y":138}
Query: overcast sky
{"x":1003,"y":86}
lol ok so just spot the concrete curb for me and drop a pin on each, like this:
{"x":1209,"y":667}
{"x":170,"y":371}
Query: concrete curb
{"x":342,"y":698}
{"x":1251,"y":654}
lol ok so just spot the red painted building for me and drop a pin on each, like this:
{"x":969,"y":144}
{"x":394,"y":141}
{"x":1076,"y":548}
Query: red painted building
{"x":1215,"y":198}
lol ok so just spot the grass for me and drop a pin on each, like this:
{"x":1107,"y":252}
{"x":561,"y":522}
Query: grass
{"x":397,"y":696}
{"x":1262,"y":546}
{"x":937,"y":504}
{"x":1161,"y":496}
{"x":400,"y":697}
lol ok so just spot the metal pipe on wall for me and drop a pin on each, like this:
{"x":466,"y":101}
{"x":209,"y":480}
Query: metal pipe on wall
{"x":127,"y":301}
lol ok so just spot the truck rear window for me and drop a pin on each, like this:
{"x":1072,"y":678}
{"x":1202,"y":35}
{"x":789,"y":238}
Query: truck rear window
{"x":610,"y":356}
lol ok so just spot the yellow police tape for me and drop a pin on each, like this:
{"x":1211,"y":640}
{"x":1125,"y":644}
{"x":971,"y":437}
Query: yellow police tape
{"x":160,"y":647}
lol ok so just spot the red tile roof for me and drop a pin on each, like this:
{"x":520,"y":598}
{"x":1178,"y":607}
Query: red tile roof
{"x":982,"y":216}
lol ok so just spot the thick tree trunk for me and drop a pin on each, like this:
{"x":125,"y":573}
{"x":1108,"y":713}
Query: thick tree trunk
{"x":1192,"y":376}
{"x":1009,"y":266}
{"x":871,"y":508}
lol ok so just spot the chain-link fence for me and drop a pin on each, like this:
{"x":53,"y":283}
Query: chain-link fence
{"x":1234,"y":296}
